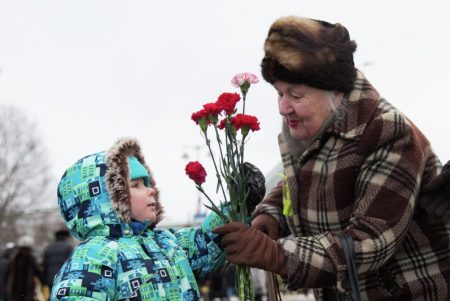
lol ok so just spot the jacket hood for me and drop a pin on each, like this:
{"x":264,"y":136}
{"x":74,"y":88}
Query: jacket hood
{"x":94,"y":195}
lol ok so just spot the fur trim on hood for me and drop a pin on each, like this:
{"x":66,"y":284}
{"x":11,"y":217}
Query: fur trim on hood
{"x":118,"y":174}
{"x":94,"y":195}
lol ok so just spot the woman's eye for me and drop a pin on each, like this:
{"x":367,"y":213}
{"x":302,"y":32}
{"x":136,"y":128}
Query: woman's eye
{"x":296,"y":98}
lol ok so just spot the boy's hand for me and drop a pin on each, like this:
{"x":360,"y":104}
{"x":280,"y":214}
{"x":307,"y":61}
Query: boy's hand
{"x":249,"y":247}
{"x":435,"y":199}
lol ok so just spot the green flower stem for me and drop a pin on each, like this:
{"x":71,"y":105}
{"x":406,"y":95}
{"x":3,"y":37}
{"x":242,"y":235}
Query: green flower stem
{"x":225,"y":166}
{"x":208,"y":143}
{"x":244,"y":284}
{"x":242,"y":176}
{"x":244,"y":94}
{"x":239,"y":172}
{"x":242,"y":149}
{"x":213,"y":206}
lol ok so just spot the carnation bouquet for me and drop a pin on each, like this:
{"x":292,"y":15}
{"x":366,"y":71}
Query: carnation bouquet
{"x":230,"y":129}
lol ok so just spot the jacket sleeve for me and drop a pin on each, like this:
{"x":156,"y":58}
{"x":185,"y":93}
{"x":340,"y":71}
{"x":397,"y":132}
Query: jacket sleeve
{"x":89,"y":274}
{"x":272,"y":205}
{"x":385,"y":194}
{"x":202,"y":246}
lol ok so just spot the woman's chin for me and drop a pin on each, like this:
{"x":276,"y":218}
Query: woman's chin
{"x":298,"y":134}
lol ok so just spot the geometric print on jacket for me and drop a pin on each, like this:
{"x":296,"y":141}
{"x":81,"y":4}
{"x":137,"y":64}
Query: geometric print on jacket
{"x":113,"y":260}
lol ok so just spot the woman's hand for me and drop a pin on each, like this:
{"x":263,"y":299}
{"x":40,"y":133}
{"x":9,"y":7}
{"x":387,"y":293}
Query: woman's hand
{"x":435,"y":198}
{"x":247,"y":246}
{"x":266,"y":224}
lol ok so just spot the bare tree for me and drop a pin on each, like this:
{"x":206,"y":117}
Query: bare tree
{"x":24,"y":171}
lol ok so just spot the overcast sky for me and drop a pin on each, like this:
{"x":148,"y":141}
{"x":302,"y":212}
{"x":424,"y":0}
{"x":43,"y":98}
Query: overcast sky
{"x":88,"y":72}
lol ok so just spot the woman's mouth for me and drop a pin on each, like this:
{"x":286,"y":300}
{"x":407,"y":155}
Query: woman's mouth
{"x":292,"y":123}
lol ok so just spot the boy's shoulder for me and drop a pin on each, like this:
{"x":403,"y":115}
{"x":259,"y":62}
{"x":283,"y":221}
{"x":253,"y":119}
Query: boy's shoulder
{"x":100,"y":248}
{"x":165,"y":232}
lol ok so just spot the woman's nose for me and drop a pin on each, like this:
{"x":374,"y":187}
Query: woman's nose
{"x":284,"y":106}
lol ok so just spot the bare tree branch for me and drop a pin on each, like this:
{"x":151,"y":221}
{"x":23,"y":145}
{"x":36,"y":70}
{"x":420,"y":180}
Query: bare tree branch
{"x":24,"y":169}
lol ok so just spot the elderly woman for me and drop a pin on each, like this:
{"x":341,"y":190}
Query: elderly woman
{"x":353,"y":164}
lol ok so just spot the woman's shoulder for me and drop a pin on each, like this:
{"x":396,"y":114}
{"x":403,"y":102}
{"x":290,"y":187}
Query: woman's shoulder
{"x":388,"y":124}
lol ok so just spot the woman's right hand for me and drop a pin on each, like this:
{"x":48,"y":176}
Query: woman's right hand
{"x":435,"y":198}
{"x":266,"y":224}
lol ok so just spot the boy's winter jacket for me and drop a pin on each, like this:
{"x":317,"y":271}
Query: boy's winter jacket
{"x":120,"y":259}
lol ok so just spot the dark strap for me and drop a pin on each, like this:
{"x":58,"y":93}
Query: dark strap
{"x":347,"y":246}
{"x":273,"y":289}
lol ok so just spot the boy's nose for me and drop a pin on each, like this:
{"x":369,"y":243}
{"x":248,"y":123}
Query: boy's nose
{"x":151,"y":191}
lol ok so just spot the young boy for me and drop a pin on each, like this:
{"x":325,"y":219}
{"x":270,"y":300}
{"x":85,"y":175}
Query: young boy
{"x":110,"y":202}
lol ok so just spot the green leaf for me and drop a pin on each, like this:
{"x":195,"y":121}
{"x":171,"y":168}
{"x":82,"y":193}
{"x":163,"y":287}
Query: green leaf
{"x":218,"y":212}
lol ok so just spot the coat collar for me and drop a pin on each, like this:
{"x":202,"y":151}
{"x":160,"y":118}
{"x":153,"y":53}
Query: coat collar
{"x":356,"y":110}
{"x":349,"y":122}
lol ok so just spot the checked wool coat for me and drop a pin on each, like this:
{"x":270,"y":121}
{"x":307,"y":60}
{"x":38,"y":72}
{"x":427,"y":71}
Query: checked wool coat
{"x":363,"y":176}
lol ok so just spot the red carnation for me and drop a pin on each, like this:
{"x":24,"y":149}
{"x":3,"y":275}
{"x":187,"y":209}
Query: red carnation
{"x":227,"y":102}
{"x":201,"y":118}
{"x":196,"y":172}
{"x":245,"y":122}
{"x":197,"y":116}
{"x":212,"y":110}
{"x":222,"y":124}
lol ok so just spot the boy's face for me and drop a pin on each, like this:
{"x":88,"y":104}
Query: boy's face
{"x":143,"y":204}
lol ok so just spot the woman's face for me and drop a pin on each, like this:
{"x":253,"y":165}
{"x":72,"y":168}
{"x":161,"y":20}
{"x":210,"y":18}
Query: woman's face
{"x":143,"y":203}
{"x":305,"y":108}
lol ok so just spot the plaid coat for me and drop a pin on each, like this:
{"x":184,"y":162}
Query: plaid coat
{"x":362,"y":176}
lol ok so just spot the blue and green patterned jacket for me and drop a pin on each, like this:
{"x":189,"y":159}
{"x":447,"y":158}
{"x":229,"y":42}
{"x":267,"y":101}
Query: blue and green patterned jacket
{"x":118,"y":259}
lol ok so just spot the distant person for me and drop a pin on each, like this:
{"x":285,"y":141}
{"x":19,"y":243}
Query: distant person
{"x":230,"y":280}
{"x":110,"y":202}
{"x":24,"y":277}
{"x":217,"y":285}
{"x":55,"y":255}
{"x":259,"y":284}
{"x":5,"y":258}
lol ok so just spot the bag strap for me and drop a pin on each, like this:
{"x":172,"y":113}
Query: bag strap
{"x":273,"y":288}
{"x":347,"y":246}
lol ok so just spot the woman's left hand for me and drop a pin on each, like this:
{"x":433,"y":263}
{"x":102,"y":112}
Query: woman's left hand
{"x":249,"y":247}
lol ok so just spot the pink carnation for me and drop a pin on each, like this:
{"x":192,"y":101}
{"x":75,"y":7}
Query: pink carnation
{"x":239,"y":79}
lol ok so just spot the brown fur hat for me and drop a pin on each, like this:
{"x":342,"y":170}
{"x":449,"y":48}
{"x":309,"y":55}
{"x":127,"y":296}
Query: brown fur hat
{"x":311,"y":52}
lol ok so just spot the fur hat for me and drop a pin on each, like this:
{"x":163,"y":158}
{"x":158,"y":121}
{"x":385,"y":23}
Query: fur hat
{"x":311,"y":52}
